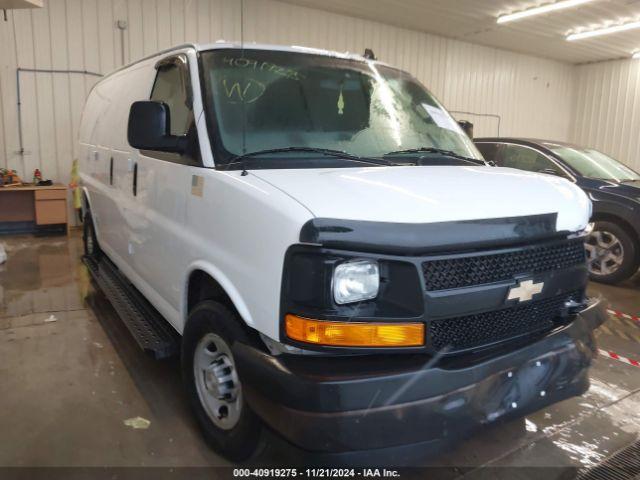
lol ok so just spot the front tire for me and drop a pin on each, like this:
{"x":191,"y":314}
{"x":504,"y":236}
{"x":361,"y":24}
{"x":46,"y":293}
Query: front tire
{"x":212,"y":383}
{"x":89,"y":238}
{"x":612,"y":253}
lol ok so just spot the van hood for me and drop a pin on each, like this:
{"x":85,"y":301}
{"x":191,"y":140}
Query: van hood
{"x":429,"y":194}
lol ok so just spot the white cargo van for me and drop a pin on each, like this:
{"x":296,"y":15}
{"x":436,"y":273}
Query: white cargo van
{"x":328,"y":250}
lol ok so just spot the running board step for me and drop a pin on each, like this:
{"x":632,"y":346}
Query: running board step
{"x":622,"y":465}
{"x":148,"y":327}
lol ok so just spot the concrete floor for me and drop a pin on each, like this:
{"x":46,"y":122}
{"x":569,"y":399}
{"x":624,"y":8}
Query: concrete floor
{"x":70,"y":375}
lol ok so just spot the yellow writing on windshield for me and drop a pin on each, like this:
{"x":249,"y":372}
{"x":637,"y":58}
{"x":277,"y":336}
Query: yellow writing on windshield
{"x":247,"y":91}
{"x":253,"y":64}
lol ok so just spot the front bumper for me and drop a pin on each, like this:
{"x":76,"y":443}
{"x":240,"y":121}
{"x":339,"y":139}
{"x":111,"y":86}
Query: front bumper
{"x":344,"y":404}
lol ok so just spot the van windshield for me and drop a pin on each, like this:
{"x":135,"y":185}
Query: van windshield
{"x":263,"y":99}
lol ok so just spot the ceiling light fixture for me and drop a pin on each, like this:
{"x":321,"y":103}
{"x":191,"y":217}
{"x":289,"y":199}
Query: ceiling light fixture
{"x":546,"y":8}
{"x":636,"y":55}
{"x":603,"y":31}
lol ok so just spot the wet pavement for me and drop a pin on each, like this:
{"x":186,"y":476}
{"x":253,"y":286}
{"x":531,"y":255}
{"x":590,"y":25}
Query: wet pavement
{"x":71,"y":375}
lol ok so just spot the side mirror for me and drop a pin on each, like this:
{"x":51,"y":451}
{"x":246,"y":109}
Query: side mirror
{"x":549,"y":171}
{"x":149,"y":128}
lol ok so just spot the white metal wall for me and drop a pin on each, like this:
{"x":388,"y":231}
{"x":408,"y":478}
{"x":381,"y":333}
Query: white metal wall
{"x":607,"y":111}
{"x":533,"y":97}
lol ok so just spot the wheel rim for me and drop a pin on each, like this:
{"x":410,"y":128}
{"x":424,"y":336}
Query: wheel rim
{"x":605,"y":253}
{"x":217,"y":381}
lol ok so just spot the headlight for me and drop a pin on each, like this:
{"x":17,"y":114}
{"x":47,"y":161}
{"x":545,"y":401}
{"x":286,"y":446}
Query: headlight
{"x":589,"y":228}
{"x":356,"y":281}
{"x":584,"y":232}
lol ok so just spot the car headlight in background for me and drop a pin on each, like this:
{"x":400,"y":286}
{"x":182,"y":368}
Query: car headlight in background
{"x":584,"y":233}
{"x":356,"y":281}
{"x":589,"y":228}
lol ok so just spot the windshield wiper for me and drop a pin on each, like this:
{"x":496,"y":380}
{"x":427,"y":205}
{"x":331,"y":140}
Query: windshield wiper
{"x":239,"y":159}
{"x":440,"y":151}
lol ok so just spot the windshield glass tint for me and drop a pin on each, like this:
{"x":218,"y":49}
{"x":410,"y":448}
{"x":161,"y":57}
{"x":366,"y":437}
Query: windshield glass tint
{"x":594,"y":164}
{"x":269,"y":99}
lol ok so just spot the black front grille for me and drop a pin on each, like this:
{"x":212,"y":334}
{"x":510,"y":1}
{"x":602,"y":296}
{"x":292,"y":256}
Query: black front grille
{"x":472,"y":331}
{"x":464,"y":271}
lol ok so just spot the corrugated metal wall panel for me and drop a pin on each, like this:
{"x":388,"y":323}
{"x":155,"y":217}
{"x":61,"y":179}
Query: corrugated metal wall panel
{"x":474,"y":21}
{"x":607,"y":110}
{"x":532,"y":96}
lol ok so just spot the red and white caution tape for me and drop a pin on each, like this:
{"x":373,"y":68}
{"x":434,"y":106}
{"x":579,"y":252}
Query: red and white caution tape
{"x":618,"y":314}
{"x":620,"y":358}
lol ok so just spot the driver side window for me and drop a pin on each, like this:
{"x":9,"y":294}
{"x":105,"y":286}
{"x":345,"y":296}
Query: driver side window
{"x":526,"y":158}
{"x":171,"y":88}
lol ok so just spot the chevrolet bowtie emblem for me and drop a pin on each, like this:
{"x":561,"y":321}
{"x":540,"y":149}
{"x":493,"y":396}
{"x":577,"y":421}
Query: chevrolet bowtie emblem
{"x":525,"y":291}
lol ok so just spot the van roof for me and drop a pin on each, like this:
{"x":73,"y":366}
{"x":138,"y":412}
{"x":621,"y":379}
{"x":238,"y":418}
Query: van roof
{"x":222,"y":44}
{"x":282,"y":48}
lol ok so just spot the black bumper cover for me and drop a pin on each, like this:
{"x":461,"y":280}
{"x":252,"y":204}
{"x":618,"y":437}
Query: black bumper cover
{"x":345,"y":404}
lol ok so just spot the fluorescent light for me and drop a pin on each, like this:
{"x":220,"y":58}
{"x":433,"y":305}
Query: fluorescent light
{"x":546,"y":8}
{"x":636,"y":56}
{"x":604,"y":31}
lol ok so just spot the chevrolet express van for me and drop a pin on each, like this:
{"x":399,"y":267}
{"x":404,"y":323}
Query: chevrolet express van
{"x":328,"y":251}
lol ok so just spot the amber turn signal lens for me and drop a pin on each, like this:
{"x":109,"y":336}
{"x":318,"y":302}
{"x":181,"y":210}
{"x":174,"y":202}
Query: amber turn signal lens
{"x":354,"y":334}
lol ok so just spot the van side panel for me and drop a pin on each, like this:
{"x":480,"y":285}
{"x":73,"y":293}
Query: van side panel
{"x":159,"y":237}
{"x":242,"y":227}
{"x":110,"y":187}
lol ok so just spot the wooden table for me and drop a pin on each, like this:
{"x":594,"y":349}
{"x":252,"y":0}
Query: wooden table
{"x":27,"y":207}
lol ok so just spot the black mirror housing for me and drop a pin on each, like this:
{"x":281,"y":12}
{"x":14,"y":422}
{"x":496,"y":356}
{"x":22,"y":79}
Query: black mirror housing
{"x":149,"y":128}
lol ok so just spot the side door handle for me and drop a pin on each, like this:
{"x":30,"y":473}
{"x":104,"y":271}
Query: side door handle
{"x":135,"y":179}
